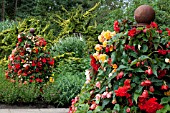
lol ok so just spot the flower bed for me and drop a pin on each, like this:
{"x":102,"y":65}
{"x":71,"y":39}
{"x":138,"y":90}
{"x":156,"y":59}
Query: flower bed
{"x":129,"y":72}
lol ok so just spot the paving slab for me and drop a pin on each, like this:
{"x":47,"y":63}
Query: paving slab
{"x":4,"y":111}
{"x":49,"y":110}
{"x":52,"y":110}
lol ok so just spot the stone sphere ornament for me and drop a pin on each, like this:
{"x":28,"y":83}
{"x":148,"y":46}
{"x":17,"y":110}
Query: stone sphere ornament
{"x":144,"y":15}
{"x":32,"y":30}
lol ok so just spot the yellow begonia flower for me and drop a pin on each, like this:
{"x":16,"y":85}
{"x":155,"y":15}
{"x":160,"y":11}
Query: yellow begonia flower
{"x":114,"y":66}
{"x":52,"y":74}
{"x":96,"y":55}
{"x":113,"y":33}
{"x":102,"y":57}
{"x":44,"y":48}
{"x":98,"y":47}
{"x":111,"y":48}
{"x":104,"y":43}
{"x":51,"y":79}
{"x":114,"y":70}
{"x":101,"y":38}
{"x":107,"y":34}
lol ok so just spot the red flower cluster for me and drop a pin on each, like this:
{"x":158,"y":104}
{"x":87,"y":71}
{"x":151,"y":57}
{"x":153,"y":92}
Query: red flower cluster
{"x":127,"y":47}
{"x":161,"y":73}
{"x":162,"y":52}
{"x":94,"y":64}
{"x":123,"y":91}
{"x":154,"y":25}
{"x":132,"y":32}
{"x":116,"y":26}
{"x":150,"y":106}
{"x":168,"y":30}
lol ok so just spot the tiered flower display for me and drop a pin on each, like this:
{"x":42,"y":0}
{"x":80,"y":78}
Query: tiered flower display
{"x":29,"y":61}
{"x":130,"y":72}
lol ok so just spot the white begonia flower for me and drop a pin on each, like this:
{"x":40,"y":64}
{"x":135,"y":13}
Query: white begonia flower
{"x":88,"y":81}
{"x":19,"y":36}
{"x":25,"y":65}
{"x":139,"y":46}
{"x":167,"y":60}
{"x":29,"y":37}
{"x":110,"y":74}
{"x":87,"y":72}
{"x":28,"y":49}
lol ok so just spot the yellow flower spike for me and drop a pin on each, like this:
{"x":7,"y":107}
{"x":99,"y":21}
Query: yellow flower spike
{"x":101,"y":38}
{"x":104,"y":43}
{"x":113,"y":33}
{"x":102,"y":57}
{"x":107,"y":34}
{"x":51,"y":79}
{"x":114,"y":66}
{"x":98,"y":47}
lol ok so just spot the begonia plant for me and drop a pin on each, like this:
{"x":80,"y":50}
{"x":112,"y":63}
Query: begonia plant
{"x":30,"y":61}
{"x":130,"y":72}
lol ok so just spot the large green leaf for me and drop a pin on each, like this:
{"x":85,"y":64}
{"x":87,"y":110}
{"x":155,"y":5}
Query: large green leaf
{"x":138,"y":70}
{"x":134,"y":62}
{"x":144,"y":48}
{"x":165,"y":100}
{"x":105,"y":102}
{"x":135,"y":97}
{"x":113,"y":56}
{"x":117,"y":107}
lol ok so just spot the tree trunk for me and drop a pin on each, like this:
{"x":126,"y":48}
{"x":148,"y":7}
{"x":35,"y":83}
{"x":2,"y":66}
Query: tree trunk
{"x":15,"y":8}
{"x":3,"y":10}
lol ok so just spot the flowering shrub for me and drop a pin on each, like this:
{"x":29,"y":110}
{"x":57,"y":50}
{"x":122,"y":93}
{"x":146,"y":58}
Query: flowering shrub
{"x":129,"y":72}
{"x":29,"y":61}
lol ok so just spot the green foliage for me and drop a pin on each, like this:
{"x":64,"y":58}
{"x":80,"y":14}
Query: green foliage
{"x":78,"y":22}
{"x":7,"y":24}
{"x":77,"y":45}
{"x":66,"y":86}
{"x":25,"y":8}
{"x":14,"y":92}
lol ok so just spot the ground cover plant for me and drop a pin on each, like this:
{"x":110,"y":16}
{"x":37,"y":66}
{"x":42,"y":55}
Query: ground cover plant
{"x":129,"y":72}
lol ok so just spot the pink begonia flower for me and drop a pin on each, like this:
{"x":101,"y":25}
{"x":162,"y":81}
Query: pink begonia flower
{"x":87,"y":79}
{"x":98,"y":85}
{"x":93,"y":106}
{"x":98,"y":97}
{"x":73,"y":101}
{"x":128,"y":110}
{"x":109,"y":95}
{"x":91,"y":92}
{"x":104,"y":95}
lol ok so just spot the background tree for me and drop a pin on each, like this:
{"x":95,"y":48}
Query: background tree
{"x":3,"y":9}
